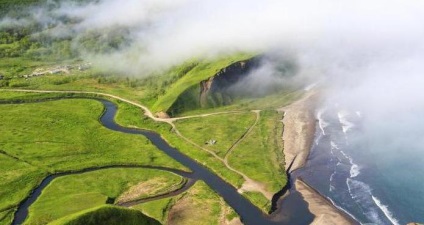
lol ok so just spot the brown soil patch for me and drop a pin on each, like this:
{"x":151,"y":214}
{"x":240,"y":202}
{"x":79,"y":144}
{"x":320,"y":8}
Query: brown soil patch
{"x":195,"y":207}
{"x":143,"y":189}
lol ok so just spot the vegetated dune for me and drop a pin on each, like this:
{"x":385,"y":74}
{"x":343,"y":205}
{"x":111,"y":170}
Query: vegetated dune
{"x":107,"y":215}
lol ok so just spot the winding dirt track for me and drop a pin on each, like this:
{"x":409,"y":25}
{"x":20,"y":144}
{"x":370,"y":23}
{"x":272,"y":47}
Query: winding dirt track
{"x":248,"y":185}
{"x":258,"y":116}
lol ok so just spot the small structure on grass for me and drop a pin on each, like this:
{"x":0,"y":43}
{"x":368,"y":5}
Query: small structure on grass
{"x":210,"y":142}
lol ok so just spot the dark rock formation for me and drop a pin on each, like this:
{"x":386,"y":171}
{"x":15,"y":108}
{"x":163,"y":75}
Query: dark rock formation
{"x":215,"y":90}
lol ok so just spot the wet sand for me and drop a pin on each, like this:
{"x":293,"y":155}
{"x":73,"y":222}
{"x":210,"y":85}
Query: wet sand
{"x":299,"y":129}
{"x":325,"y":212}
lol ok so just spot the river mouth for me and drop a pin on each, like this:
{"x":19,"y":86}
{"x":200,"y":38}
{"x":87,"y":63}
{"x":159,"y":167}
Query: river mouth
{"x":292,"y":209}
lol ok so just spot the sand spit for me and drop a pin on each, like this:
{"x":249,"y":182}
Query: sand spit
{"x":325,"y":212}
{"x":298,"y":136}
{"x":299,"y":129}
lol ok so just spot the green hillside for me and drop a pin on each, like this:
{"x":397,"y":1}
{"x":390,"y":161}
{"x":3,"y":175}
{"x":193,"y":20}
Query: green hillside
{"x":107,"y":215}
{"x":197,"y":74}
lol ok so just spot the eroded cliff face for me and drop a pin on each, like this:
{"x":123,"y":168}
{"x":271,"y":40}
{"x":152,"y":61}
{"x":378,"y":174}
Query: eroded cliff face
{"x":215,"y":90}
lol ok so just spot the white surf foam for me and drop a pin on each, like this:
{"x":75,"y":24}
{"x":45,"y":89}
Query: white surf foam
{"x":332,"y":188}
{"x":321,"y":123}
{"x":345,"y":155}
{"x":385,"y":210}
{"x":332,"y":175}
{"x":341,"y":209}
{"x":361,"y":194}
{"x":318,"y":139}
{"x":354,"y":170}
{"x":334,"y":145}
{"x":346,"y":124}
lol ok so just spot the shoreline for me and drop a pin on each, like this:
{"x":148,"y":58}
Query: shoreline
{"x":299,"y":130}
{"x":298,"y":136}
{"x":324,"y":210}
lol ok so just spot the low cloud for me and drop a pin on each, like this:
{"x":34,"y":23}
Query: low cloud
{"x":368,"y":54}
{"x":163,"y":33}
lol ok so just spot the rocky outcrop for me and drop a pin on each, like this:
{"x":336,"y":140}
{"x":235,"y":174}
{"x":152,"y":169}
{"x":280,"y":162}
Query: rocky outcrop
{"x":215,"y":90}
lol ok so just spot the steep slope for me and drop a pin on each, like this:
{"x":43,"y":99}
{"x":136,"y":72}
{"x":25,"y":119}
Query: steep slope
{"x":207,"y":79}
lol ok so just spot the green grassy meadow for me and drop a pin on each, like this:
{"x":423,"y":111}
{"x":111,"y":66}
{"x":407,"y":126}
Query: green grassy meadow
{"x":226,"y":129}
{"x":6,"y":216}
{"x":158,"y":209}
{"x":262,"y":148}
{"x":38,"y":139}
{"x":73,"y":193}
{"x":71,"y":137}
{"x":44,"y":138}
{"x":260,"y":155}
{"x":133,"y":117}
{"x":264,"y":138}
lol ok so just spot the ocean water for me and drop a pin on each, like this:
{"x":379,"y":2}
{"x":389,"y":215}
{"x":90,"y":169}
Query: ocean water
{"x":371,"y":184}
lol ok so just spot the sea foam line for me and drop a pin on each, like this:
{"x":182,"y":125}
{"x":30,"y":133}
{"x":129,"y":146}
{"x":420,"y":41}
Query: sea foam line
{"x":331,"y":181}
{"x":354,"y":169}
{"x":346,"y":124}
{"x":322,"y":124}
{"x":385,"y":210}
{"x":360,"y":193}
{"x":334,"y":145}
{"x":341,"y":209}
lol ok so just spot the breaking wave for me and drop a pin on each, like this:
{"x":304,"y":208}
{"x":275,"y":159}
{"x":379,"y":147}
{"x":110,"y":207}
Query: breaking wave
{"x":385,"y":210}
{"x":342,"y":209}
{"x":362,"y":194}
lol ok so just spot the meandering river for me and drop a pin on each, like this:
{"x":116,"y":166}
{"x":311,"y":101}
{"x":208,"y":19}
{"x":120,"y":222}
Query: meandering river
{"x":291,"y":211}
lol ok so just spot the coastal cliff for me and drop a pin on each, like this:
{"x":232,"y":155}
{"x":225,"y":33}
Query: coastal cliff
{"x":214,"y":91}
